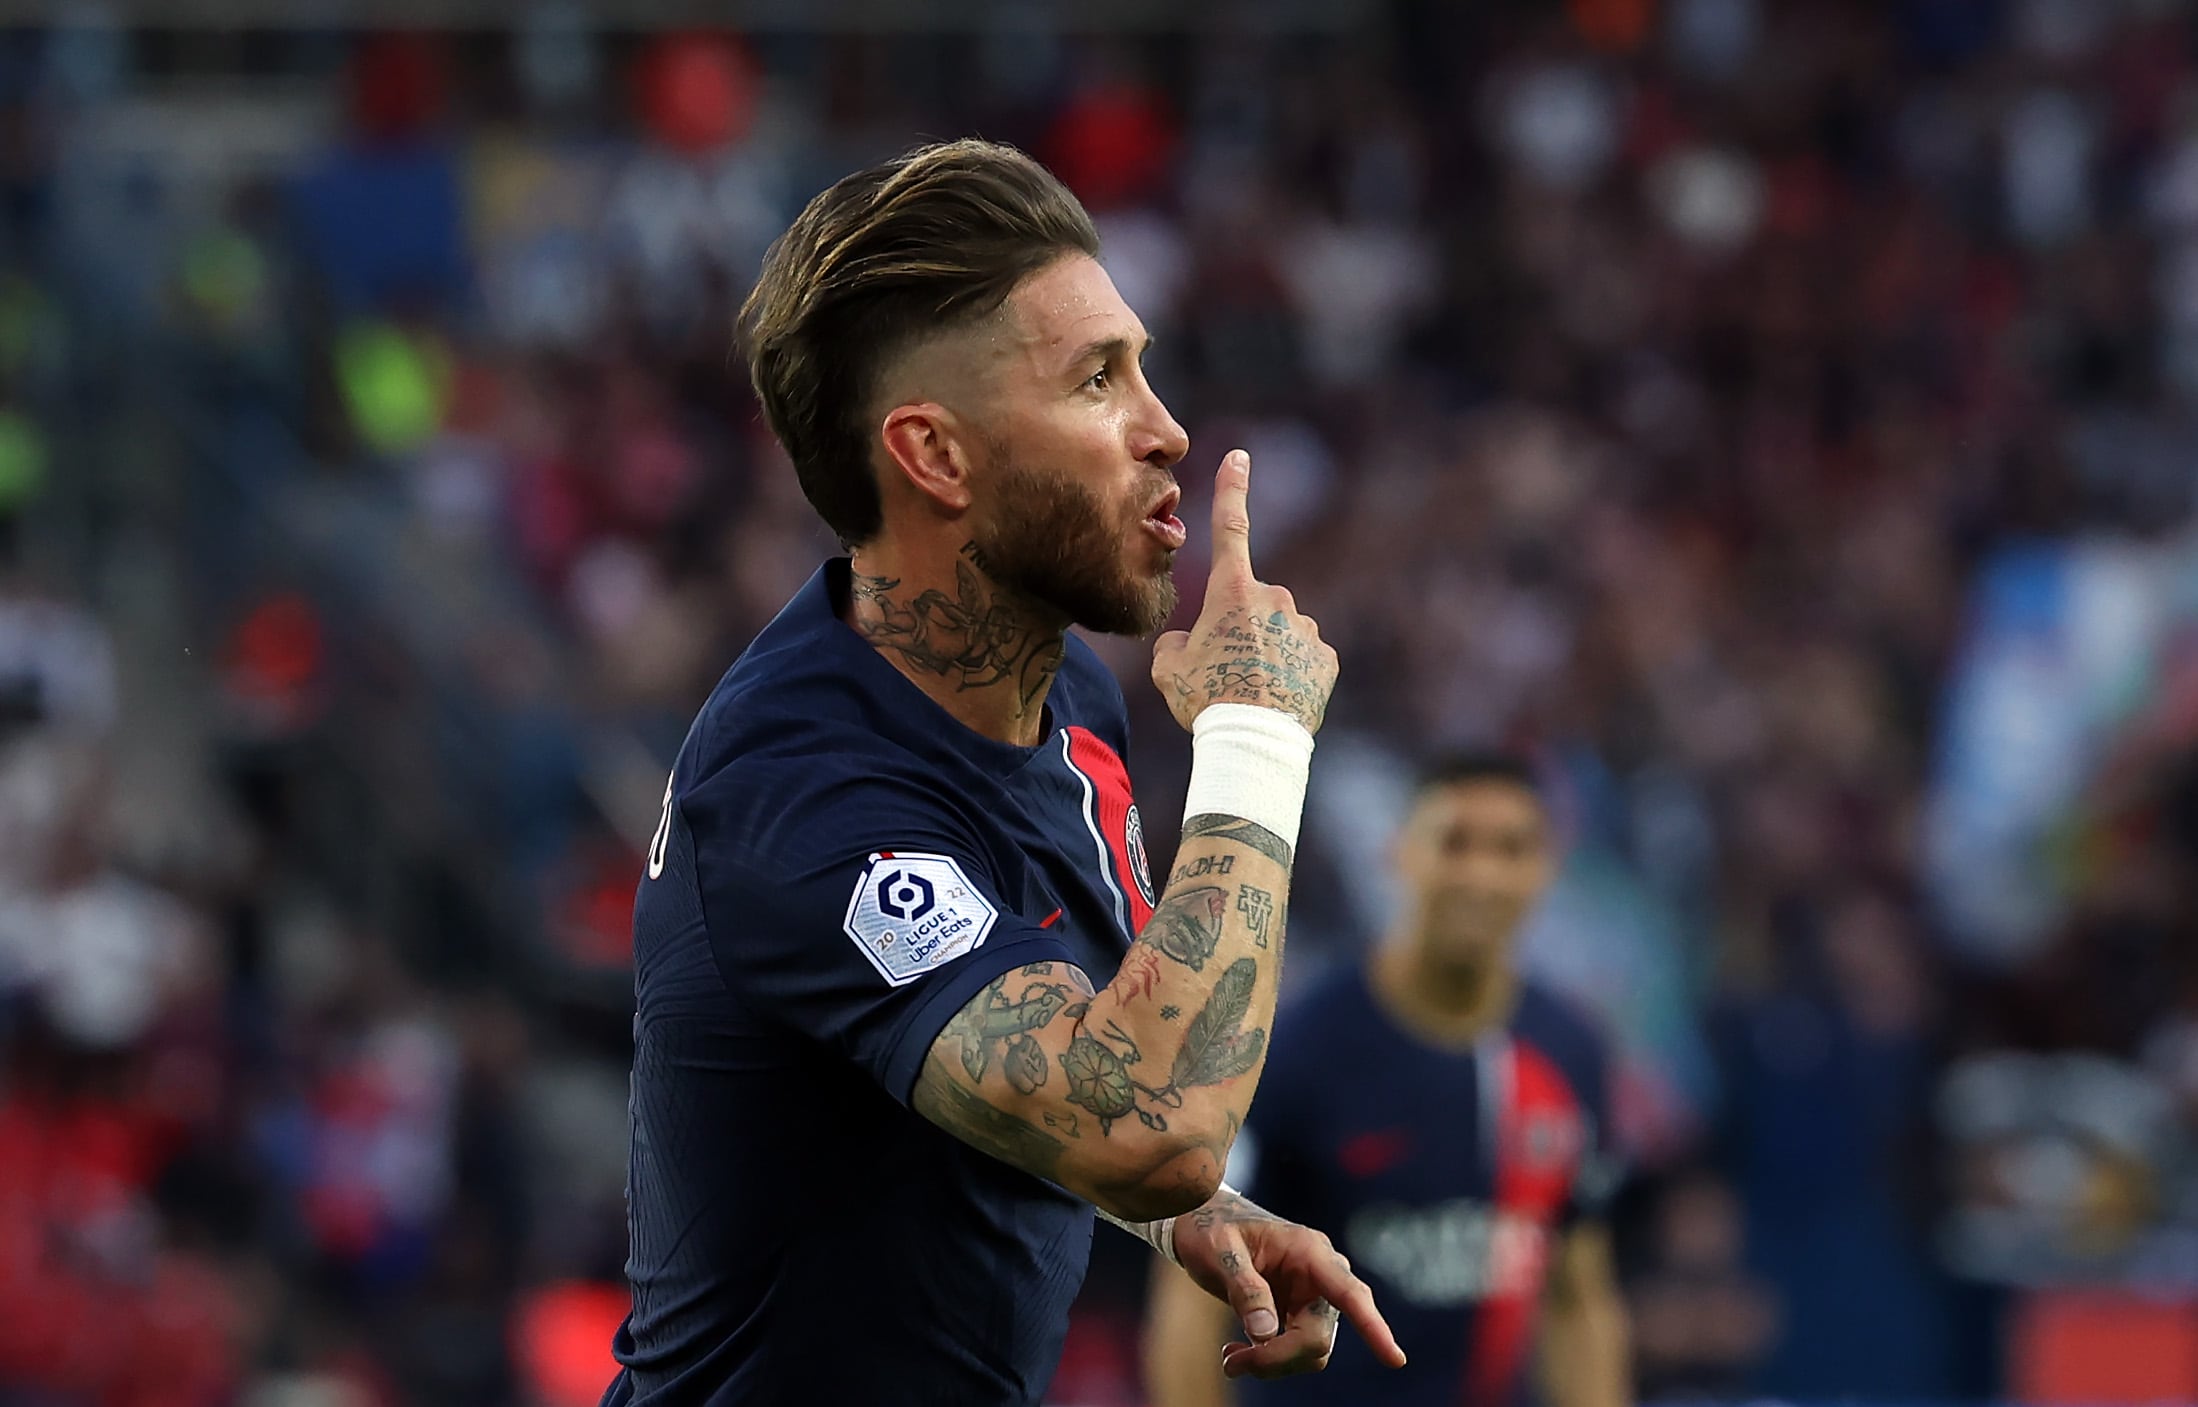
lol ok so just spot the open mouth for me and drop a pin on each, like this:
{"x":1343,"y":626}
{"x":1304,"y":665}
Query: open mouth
{"x":1161,"y":522}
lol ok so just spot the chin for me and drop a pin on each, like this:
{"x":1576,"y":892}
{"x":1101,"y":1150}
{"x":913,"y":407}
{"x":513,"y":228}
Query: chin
{"x":1135,"y":606}
{"x":1469,"y":950}
{"x":1157,"y":602}
{"x":1138,"y":614}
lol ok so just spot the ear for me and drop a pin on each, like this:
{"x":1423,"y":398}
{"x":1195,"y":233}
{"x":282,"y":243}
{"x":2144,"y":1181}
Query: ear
{"x":924,"y":445}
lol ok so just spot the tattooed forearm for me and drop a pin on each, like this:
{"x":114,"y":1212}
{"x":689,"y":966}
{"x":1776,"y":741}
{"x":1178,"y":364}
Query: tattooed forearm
{"x":1037,"y":1068}
{"x":1202,"y":866}
{"x":977,"y":637}
{"x":1215,"y":1048}
{"x":1006,"y":1020}
{"x":993,"y":1018}
{"x":1243,"y":832}
{"x":1258,"y":907}
{"x":1099,"y":1080}
{"x":1187,"y":925}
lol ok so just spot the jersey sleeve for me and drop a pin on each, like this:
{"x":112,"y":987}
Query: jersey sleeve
{"x":862,"y":911}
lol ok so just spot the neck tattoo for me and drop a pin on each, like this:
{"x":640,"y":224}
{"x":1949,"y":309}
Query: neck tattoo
{"x":976,"y":638}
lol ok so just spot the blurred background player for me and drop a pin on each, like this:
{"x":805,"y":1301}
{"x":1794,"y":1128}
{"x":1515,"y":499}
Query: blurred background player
{"x":1448,"y":1120}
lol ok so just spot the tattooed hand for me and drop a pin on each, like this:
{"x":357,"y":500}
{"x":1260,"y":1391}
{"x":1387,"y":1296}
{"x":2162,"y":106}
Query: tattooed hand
{"x":1249,"y":644}
{"x":1287,"y":1283}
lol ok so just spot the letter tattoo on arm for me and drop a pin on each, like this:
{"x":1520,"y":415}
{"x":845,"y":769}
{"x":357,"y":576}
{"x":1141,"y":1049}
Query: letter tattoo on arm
{"x":1258,"y":907}
{"x":1202,"y":866}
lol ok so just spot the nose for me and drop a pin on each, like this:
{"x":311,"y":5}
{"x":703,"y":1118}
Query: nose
{"x":1475,"y":869}
{"x":1156,"y":438}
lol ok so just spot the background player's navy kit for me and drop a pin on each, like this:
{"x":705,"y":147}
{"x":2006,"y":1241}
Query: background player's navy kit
{"x":1446,"y":1177}
{"x":842,"y":866}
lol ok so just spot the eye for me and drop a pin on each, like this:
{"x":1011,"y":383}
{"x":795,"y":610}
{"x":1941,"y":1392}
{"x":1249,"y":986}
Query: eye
{"x":1097,"y":381}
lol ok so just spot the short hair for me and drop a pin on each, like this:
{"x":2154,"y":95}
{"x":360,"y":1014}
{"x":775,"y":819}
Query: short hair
{"x":1460,"y":768}
{"x":932,"y":240}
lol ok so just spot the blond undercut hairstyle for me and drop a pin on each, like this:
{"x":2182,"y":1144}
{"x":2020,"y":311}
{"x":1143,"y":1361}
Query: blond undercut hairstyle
{"x":931,"y":241}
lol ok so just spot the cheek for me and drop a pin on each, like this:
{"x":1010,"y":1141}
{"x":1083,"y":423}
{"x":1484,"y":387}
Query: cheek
{"x":1089,"y":451}
{"x":1089,"y":432}
{"x":1523,"y":883}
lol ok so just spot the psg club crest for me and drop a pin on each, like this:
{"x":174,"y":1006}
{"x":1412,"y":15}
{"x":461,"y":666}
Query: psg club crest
{"x":1134,"y":840}
{"x":1551,"y":1140}
{"x":911,"y":912}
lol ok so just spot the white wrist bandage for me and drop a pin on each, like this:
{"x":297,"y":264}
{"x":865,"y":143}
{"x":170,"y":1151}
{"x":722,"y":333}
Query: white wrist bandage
{"x":1249,"y":762}
{"x":1160,"y":1235}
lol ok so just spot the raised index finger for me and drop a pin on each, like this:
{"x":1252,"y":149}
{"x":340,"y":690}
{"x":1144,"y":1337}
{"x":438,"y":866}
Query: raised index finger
{"x":1355,"y":1301}
{"x":1232,"y":520}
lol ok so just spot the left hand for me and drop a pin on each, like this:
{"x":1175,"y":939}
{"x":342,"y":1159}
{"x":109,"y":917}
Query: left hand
{"x":1266,"y":1267}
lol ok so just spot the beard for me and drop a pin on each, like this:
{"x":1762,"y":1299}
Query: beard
{"x":1055,"y":542}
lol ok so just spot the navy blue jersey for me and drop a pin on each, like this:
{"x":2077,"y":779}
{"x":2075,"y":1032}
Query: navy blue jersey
{"x":840,"y":867}
{"x":1445,"y":1176}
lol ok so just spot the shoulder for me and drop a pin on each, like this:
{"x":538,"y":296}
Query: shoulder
{"x":1330,"y":1006}
{"x":1336,"y":992}
{"x":779,"y":698}
{"x":790,"y":761}
{"x":1567,"y":1032}
{"x":1299,"y":1090}
{"x":814,"y":789}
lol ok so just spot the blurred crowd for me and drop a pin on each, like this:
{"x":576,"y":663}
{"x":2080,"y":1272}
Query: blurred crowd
{"x":1775,"y":418}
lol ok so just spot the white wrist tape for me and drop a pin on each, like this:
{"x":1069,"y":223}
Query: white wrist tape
{"x":1249,"y":762}
{"x":1160,"y":1235}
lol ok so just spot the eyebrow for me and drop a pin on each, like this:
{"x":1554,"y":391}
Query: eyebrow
{"x":1110,"y":349}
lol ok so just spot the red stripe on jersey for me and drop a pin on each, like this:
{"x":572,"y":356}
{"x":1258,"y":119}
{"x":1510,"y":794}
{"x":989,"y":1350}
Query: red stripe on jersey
{"x":1110,"y":811}
{"x":1538,"y":1151}
{"x":1050,"y":919}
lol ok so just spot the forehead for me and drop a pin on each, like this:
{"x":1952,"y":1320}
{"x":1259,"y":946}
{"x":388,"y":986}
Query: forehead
{"x":1490,"y":803}
{"x":1066,"y":306}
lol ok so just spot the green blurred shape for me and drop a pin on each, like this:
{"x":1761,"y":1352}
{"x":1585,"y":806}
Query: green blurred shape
{"x":22,"y":460}
{"x":225,"y":274}
{"x":396,"y":385}
{"x":29,"y":325}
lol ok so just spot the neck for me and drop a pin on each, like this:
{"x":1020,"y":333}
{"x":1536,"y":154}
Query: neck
{"x":984,"y":653}
{"x":1444,"y":1003}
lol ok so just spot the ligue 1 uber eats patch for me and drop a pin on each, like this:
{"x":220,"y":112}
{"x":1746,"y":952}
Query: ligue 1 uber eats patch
{"x":912,"y":912}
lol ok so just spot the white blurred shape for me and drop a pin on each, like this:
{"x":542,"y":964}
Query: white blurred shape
{"x":1559,"y":124}
{"x":1356,"y":289}
{"x":100,"y":957}
{"x":1146,"y":256}
{"x":1712,"y":199}
{"x":2048,"y":141}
